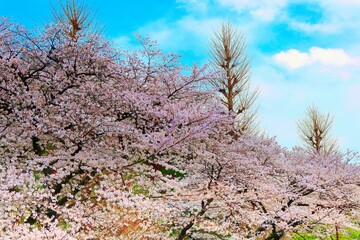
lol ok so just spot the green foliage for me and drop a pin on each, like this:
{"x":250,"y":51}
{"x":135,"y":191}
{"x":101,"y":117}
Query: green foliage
{"x":302,"y":236}
{"x":216,"y":234}
{"x":41,"y":187}
{"x":61,"y":200}
{"x":63,"y":225}
{"x":175,"y":232}
{"x":137,"y":189}
{"x":37,"y":174}
{"x":22,"y":219}
{"x":209,"y":233}
{"x":172,"y":173}
{"x":344,"y":234}
{"x":353,"y":233}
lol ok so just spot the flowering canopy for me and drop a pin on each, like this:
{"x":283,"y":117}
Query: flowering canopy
{"x":97,"y":142}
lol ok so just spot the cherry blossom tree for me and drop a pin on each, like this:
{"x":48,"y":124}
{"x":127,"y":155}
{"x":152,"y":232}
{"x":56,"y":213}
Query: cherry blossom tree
{"x":100,"y":142}
{"x":73,"y":109}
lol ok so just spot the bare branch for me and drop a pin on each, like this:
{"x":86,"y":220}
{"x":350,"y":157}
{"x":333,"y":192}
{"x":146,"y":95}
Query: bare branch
{"x":75,"y":15}
{"x":314,"y":130}
{"x":228,"y":53}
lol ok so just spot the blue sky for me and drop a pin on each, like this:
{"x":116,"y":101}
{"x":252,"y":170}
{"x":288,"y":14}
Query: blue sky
{"x":303,"y":52}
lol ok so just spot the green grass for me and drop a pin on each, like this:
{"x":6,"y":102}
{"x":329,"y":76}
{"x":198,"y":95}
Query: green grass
{"x":344,"y":234}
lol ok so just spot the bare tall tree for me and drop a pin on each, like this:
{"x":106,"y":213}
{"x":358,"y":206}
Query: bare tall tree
{"x":314,"y":130}
{"x":228,"y":53}
{"x":74,"y":14}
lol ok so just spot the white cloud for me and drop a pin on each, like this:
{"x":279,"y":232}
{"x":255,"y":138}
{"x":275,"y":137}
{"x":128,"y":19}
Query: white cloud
{"x":331,"y":57}
{"x":293,"y":59}
{"x":162,"y":36}
{"x":202,"y":28}
{"x":194,"y":5}
{"x":347,"y":2}
{"x":265,"y":14}
{"x":124,"y":42}
{"x":262,"y":10}
{"x":337,"y":16}
{"x":326,"y":28}
{"x":186,"y":33}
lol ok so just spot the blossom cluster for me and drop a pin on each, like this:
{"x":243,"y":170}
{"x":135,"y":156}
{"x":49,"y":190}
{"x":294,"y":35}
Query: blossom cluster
{"x":98,"y":142}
